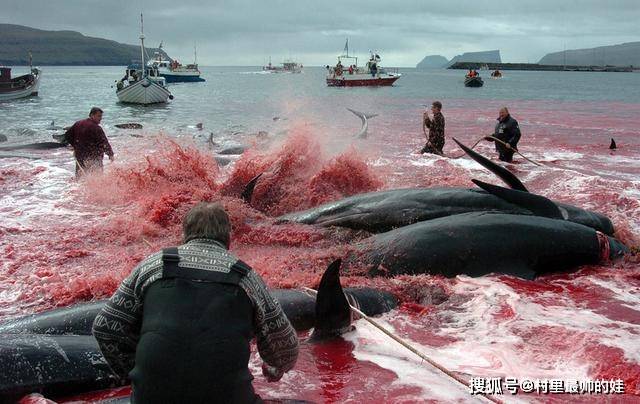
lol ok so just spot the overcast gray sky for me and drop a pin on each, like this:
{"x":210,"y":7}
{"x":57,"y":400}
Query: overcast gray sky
{"x":243,"y":32}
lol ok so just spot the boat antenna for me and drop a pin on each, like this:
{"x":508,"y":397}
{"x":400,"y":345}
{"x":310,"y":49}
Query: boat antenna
{"x":195,"y":54}
{"x":346,"y":47}
{"x":144,"y":71}
{"x":30,"y":61}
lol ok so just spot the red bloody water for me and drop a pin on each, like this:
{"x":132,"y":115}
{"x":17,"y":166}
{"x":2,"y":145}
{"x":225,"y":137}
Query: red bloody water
{"x":63,"y":242}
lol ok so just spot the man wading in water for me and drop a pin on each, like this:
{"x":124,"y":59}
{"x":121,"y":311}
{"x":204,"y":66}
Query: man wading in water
{"x":435,"y":140}
{"x":507,"y":130}
{"x":180,"y":325}
{"x":89,"y":143}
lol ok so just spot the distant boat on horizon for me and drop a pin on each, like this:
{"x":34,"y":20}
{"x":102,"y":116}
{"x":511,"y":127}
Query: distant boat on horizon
{"x":288,"y":66}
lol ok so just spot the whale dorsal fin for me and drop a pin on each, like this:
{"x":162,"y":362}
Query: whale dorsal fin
{"x":248,"y":189}
{"x":505,"y":175}
{"x":333,"y":314}
{"x":613,"y":145}
{"x":537,"y":204}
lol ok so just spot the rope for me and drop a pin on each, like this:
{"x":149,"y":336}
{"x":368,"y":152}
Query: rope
{"x":410,"y":348}
{"x":502,"y":143}
{"x":472,"y":147}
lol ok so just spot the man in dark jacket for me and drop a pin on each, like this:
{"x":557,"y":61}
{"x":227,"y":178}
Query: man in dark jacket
{"x":89,"y":143}
{"x":180,"y":325}
{"x":508,"y":131}
{"x":435,"y":140}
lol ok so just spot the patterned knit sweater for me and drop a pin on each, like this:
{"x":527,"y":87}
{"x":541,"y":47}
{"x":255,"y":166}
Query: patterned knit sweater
{"x":117,"y":326}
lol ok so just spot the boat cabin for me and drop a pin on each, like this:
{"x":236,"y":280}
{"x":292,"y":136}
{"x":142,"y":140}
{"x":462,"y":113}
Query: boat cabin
{"x":134,"y":73}
{"x":5,"y":74}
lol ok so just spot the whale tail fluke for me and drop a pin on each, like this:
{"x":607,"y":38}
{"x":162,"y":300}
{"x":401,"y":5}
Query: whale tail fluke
{"x":333,"y":313}
{"x":613,"y":145}
{"x":248,"y":189}
{"x":365,"y":124}
{"x":362,"y":115}
{"x":505,"y":175}
{"x":536,"y":204}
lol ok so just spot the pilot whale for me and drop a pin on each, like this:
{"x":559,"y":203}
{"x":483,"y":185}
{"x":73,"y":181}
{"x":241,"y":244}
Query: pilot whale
{"x":481,"y":243}
{"x":382,"y":211}
{"x":54,"y":353}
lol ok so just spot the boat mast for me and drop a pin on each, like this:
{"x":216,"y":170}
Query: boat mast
{"x":195,"y":54}
{"x":144,"y":71}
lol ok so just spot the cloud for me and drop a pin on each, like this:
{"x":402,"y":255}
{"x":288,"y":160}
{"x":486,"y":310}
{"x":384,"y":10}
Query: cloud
{"x":243,"y":32}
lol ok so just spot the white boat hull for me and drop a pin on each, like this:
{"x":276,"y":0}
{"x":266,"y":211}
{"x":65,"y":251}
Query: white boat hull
{"x":24,"y":92}
{"x":143,"y":92}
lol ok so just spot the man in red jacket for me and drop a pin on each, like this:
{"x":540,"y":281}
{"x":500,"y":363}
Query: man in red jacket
{"x":89,"y":143}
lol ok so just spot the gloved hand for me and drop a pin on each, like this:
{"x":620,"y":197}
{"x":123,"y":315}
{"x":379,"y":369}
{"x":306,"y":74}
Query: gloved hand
{"x":271,"y":373}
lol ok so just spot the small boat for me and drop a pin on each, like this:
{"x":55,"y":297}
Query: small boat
{"x":475,"y":81}
{"x":353,"y":76}
{"x":173,"y":71}
{"x":496,"y":74}
{"x":142,"y":85}
{"x":288,"y":66}
{"x":21,"y":86}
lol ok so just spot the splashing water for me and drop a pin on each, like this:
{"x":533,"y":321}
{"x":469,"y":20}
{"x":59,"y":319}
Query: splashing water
{"x":64,"y":241}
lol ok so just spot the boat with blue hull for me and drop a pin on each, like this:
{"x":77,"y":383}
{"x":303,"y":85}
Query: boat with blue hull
{"x":173,"y":71}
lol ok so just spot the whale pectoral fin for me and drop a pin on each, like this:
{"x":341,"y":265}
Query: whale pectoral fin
{"x":333,"y":314}
{"x":505,"y":175}
{"x":537,"y":204}
{"x":248,"y":189}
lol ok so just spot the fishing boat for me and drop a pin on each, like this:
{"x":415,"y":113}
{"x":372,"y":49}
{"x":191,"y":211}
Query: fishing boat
{"x":496,"y":74}
{"x":21,"y":86}
{"x":142,"y":84}
{"x":473,"y":81}
{"x":173,"y":71}
{"x":288,"y":66}
{"x":351,"y":75}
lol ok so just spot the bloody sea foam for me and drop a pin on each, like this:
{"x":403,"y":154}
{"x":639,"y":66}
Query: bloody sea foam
{"x":63,"y":242}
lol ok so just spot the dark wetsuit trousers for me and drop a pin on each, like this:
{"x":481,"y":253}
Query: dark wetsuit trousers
{"x":434,"y":146}
{"x":194,"y":344}
{"x":504,"y":154}
{"x":89,"y":165}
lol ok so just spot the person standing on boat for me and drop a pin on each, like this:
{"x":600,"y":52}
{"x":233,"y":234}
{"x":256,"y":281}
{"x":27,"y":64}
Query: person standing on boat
{"x":180,"y":325}
{"x":435,"y":139}
{"x":89,"y":143}
{"x":507,"y":131}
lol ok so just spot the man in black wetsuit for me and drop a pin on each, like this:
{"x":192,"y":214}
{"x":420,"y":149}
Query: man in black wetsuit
{"x":180,"y":325}
{"x":435,"y":139}
{"x":508,"y":131}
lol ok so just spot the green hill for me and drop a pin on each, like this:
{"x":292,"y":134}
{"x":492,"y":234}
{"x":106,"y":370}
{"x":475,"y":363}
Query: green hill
{"x":62,"y":48}
{"x":626,"y":54}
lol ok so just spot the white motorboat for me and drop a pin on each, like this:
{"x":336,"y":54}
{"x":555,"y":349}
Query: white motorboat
{"x":142,"y":85}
